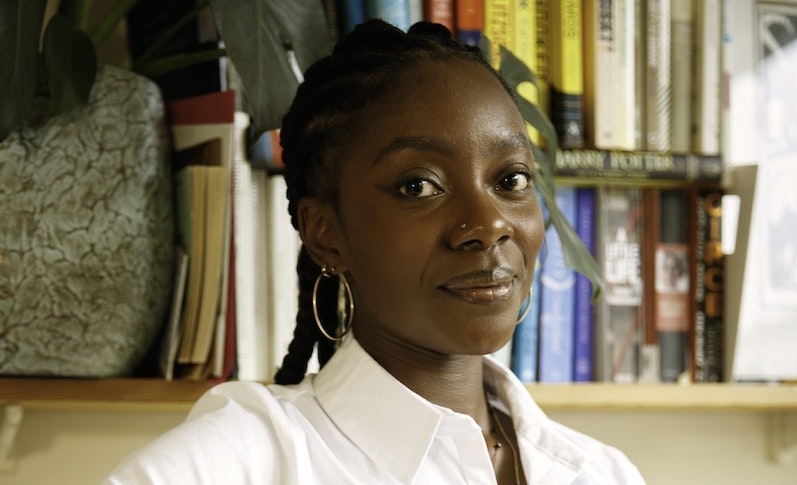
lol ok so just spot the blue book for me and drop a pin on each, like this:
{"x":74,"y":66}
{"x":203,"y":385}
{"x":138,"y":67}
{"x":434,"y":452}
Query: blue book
{"x":396,"y":12}
{"x":584,"y":314}
{"x":524,"y":341}
{"x":557,"y":296}
{"x":350,"y":14}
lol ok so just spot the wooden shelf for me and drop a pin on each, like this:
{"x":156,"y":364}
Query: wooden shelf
{"x":666,"y":397}
{"x":157,"y":394}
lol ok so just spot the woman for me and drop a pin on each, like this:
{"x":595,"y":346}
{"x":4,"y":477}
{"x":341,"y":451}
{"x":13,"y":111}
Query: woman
{"x":410,"y":179}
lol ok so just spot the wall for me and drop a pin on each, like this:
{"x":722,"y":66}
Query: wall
{"x":670,"y":448}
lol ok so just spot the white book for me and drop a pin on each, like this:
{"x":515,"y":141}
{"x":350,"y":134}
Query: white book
{"x":282,"y":246}
{"x":626,"y":34}
{"x":251,"y":299}
{"x":708,"y":82}
{"x":599,"y":101}
{"x":658,"y":88}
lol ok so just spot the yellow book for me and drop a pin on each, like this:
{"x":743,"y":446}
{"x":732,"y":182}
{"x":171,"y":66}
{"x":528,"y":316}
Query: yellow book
{"x":567,"y":72}
{"x":524,"y":46}
{"x":498,"y":27}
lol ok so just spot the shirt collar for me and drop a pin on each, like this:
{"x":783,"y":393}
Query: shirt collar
{"x":412,"y":422}
{"x":548,"y":455}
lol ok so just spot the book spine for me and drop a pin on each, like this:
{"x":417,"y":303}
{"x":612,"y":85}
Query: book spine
{"x":624,"y":86}
{"x":708,"y":60}
{"x":350,"y":14}
{"x":524,"y":45}
{"x":557,"y":286}
{"x":584,"y":313}
{"x":526,"y":337}
{"x":542,"y":65}
{"x":649,"y":348}
{"x":671,"y":279}
{"x":416,"y":11}
{"x":498,"y":27}
{"x":681,"y":26}
{"x":396,"y":12}
{"x":638,"y":166}
{"x":599,"y":45}
{"x":469,"y":15}
{"x":658,"y":94}
{"x":619,"y":315}
{"x":282,"y":248}
{"x":567,"y":72}
{"x":714,"y":283}
{"x":441,"y":12}
{"x":697,"y":240}
{"x":267,"y":152}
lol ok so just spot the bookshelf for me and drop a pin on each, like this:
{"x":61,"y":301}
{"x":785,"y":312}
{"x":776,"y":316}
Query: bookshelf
{"x":159,"y":395}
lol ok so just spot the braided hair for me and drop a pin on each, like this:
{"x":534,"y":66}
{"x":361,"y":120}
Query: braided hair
{"x":324,"y":113}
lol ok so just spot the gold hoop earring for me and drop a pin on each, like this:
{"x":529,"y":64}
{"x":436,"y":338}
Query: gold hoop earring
{"x":526,"y":309}
{"x":328,"y":273}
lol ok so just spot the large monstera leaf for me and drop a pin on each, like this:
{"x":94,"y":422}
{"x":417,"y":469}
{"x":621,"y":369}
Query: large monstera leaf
{"x":577,"y":257}
{"x":270,"y":43}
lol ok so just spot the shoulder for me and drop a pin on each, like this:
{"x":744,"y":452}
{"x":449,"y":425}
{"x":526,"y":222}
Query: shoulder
{"x":605,"y":464}
{"x":231,"y":435}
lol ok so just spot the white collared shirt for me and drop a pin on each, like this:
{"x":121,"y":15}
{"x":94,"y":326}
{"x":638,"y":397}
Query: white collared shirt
{"x":354,"y":423}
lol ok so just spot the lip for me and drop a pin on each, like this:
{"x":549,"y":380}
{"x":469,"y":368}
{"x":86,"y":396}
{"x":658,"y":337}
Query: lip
{"x":481,"y":286}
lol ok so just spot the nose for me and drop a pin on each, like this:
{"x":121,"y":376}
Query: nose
{"x":482,"y":223}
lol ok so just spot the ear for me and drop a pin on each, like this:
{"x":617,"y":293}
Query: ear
{"x":320,"y":232}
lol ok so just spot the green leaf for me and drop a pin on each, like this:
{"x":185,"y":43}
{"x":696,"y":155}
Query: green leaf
{"x":254,"y":33}
{"x":71,"y":64}
{"x":577,"y":257}
{"x":20,"y":25}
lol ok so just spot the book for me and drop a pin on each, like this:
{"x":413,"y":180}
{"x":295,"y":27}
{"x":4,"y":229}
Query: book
{"x":671,"y":279}
{"x":658,"y":85}
{"x":498,"y":27}
{"x":396,"y":12}
{"x":710,"y":203}
{"x":469,"y":20}
{"x":557,"y":293}
{"x":440,"y":12}
{"x":619,"y":315}
{"x":350,"y":14}
{"x":171,"y":338}
{"x":639,"y":166}
{"x":567,"y":72}
{"x":627,"y":74}
{"x":541,"y":67}
{"x":196,"y":121}
{"x":682,"y":49}
{"x":281,"y":246}
{"x":649,"y":355}
{"x":599,"y":94}
{"x":526,"y":337}
{"x":202,"y":195}
{"x":583,"y":320}
{"x":524,"y":44}
{"x":707,"y":90}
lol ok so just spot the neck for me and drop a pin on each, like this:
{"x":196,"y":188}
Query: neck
{"x":451,"y":381}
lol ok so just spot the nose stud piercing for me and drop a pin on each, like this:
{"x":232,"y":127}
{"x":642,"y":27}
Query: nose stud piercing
{"x":463,"y":226}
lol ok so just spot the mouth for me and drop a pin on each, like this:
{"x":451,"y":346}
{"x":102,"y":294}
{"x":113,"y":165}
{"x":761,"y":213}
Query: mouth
{"x":482,"y":286}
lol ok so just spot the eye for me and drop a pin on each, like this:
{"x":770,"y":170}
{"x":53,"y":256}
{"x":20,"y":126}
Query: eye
{"x":516,"y":182}
{"x":419,"y":187}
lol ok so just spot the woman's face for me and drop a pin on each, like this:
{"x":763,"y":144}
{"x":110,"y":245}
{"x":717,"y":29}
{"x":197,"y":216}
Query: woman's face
{"x":439,"y":223}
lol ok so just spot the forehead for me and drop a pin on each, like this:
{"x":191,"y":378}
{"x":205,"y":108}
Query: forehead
{"x":440,"y":97}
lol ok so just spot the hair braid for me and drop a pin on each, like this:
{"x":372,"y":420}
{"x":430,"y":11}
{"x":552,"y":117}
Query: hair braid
{"x":324,"y":112}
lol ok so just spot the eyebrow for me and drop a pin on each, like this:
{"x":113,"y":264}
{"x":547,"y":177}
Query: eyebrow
{"x":441,"y":146}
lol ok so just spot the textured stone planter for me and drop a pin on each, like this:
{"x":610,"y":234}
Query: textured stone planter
{"x":86,"y":234}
